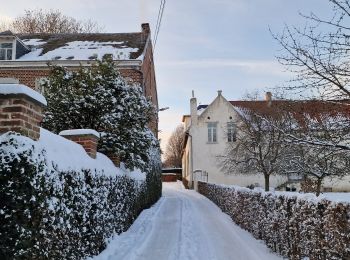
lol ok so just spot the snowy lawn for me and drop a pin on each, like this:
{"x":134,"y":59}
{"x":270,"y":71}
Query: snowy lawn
{"x":336,"y":196}
{"x":184,"y":225}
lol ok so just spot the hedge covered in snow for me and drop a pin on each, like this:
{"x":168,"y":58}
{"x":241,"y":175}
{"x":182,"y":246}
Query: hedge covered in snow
{"x":53,"y":212}
{"x":296,"y":226}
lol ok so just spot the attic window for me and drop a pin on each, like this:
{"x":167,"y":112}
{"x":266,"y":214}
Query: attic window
{"x":6,"y":51}
{"x":231,"y":133}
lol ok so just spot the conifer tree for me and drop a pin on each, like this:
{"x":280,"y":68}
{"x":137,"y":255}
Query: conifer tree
{"x":99,"y":98}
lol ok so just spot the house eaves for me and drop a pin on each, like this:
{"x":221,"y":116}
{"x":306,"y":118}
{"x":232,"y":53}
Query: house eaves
{"x":65,"y":63}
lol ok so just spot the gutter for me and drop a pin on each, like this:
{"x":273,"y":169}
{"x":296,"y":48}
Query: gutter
{"x":65,"y":63}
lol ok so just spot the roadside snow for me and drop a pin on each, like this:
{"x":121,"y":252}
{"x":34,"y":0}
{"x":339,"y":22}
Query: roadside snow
{"x":8,"y":89}
{"x":184,"y":225}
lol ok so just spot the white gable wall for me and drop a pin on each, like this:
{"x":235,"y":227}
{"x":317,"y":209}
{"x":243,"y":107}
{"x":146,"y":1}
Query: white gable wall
{"x":206,"y":156}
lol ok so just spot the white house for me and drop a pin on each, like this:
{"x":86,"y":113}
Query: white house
{"x":209,"y":128}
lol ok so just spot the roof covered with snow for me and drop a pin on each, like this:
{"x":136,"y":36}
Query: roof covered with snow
{"x":83,"y":46}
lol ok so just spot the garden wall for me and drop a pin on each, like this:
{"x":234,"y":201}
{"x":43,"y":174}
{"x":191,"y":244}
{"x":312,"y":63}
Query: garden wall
{"x":294,"y":225}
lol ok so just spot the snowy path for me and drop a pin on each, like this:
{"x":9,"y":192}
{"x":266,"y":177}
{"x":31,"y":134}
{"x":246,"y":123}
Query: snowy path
{"x":184,"y":225}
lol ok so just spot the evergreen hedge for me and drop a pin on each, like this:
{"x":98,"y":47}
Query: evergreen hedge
{"x":294,"y":226}
{"x":48,"y":214}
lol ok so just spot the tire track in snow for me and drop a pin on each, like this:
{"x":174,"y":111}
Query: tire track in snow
{"x":184,"y":225}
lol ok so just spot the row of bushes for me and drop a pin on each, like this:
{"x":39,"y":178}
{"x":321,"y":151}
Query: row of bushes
{"x":49,"y":214}
{"x":295,"y":226}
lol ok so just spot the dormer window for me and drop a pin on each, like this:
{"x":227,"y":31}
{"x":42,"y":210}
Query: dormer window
{"x":6,"y":51}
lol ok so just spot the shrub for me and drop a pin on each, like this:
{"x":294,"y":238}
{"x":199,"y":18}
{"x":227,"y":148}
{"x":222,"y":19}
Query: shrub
{"x":50,"y":214}
{"x":295,"y":226}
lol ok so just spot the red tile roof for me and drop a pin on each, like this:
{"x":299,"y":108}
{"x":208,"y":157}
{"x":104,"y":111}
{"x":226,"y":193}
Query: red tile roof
{"x":300,"y":110}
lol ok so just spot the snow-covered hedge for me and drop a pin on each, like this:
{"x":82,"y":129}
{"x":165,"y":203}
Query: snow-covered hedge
{"x":52,"y":209}
{"x":293,"y":225}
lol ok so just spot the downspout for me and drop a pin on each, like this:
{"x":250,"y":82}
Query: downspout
{"x":191,"y":170}
{"x":191,"y":163}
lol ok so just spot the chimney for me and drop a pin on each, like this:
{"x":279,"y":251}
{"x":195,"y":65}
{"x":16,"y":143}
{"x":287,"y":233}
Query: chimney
{"x":219,"y":92}
{"x":145,"y":28}
{"x":21,"y":109}
{"x":268,"y":98}
{"x":87,"y":138}
{"x":194,"y":115}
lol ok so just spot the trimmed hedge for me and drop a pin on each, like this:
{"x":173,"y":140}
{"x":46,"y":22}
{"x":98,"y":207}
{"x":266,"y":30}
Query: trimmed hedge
{"x":48,"y":214}
{"x":291,"y":225}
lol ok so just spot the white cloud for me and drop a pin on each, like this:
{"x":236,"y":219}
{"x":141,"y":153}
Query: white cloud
{"x":269,"y":67}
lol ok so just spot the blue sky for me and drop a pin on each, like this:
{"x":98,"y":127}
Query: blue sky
{"x":203,"y":45}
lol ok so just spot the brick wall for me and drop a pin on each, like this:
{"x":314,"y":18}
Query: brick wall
{"x":21,"y":114}
{"x":87,"y":141}
{"x":28,"y":76}
{"x":150,"y":85}
{"x":25,"y":76}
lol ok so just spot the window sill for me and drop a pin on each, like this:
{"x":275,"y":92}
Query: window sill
{"x":212,"y":142}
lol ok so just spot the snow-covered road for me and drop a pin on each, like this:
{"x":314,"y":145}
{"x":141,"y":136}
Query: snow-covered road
{"x":184,"y":225}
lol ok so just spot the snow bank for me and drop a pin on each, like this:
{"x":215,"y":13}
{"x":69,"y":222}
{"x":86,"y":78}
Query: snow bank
{"x":8,"y":89}
{"x":311,"y":197}
{"x":67,"y":155}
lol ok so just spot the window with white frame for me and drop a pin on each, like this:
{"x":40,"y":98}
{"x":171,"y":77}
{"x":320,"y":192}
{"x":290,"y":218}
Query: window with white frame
{"x":212,"y":132}
{"x":231,"y":132}
{"x":6,"y":51}
{"x":39,"y":84}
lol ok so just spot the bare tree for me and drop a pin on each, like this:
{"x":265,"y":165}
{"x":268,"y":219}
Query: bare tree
{"x":174,"y":148}
{"x":317,"y":162}
{"x":259,"y":147}
{"x":319,"y":53}
{"x":314,"y":137}
{"x":51,"y":21}
{"x":5,"y":25}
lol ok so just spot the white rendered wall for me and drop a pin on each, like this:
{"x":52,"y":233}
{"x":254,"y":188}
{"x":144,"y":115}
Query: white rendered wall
{"x":206,"y":156}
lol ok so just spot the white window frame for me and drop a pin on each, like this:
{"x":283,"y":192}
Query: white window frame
{"x":7,"y":49}
{"x":38,"y":85}
{"x":231,"y":132}
{"x":212,"y":132}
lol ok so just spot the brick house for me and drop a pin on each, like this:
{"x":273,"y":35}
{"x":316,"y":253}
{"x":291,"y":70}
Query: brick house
{"x":25,"y":57}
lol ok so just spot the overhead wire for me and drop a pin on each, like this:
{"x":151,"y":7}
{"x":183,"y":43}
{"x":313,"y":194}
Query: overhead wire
{"x":159,"y":21}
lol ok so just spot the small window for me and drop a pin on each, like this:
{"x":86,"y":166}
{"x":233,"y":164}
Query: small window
{"x":5,"y":51}
{"x":212,"y":132}
{"x":39,"y":85}
{"x":231,"y":133}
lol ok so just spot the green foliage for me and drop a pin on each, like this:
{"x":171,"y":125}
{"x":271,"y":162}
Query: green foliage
{"x":21,"y":204}
{"x":99,"y":98}
{"x":50,"y":214}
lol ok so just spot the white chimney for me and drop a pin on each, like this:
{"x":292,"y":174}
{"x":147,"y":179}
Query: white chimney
{"x":268,"y":98}
{"x":194,"y":115}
